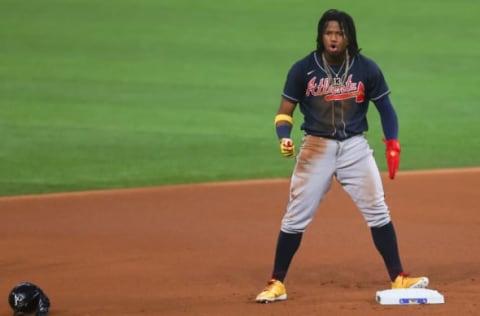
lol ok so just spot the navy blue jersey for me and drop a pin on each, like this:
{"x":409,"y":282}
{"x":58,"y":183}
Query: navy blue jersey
{"x":329,"y":110}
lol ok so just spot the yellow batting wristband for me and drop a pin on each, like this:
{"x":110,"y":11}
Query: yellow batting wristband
{"x":283,"y":117}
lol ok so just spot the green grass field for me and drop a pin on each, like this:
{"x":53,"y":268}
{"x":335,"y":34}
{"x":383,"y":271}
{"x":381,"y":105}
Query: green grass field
{"x":129,"y":93}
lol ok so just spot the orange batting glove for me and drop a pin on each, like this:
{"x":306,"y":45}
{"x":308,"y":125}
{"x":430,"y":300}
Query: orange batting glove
{"x":287,"y":148}
{"x":393,"y":156}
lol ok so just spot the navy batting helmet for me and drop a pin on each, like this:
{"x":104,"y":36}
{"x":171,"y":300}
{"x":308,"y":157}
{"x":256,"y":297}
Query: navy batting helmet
{"x":28,"y":298}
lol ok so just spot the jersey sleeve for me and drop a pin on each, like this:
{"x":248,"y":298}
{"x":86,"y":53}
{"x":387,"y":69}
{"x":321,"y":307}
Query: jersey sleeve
{"x":294,"y":88}
{"x":377,"y":86}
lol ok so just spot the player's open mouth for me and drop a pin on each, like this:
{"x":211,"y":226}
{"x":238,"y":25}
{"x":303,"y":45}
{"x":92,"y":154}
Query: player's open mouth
{"x":333,"y":48}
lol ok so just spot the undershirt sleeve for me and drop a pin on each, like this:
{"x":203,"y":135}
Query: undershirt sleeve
{"x":388,"y":117}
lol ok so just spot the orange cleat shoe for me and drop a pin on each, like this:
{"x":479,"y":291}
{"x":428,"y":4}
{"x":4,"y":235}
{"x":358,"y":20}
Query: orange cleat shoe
{"x":405,"y":282}
{"x":274,"y":291}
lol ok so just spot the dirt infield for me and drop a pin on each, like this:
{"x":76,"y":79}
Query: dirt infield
{"x":207,"y":249}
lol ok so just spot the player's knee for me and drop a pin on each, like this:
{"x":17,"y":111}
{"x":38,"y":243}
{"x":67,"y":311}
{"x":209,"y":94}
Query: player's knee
{"x":291,"y":227}
{"x":378,"y":221}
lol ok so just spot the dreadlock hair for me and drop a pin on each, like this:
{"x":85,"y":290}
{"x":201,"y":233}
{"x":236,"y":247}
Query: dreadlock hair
{"x":346,"y":24}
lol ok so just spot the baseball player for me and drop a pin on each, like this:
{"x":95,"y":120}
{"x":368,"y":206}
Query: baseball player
{"x":334,"y":85}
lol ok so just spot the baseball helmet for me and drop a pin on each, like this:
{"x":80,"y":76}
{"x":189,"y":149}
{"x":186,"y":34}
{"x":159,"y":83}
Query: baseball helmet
{"x":28,"y":298}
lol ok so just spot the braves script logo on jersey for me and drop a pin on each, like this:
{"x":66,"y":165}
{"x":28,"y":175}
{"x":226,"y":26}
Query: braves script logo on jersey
{"x":336,"y":93}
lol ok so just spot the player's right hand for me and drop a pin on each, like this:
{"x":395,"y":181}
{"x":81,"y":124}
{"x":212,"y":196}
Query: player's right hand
{"x":287,"y":148}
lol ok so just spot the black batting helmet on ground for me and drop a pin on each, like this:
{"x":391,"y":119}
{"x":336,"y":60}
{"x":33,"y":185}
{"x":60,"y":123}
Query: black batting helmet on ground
{"x":28,"y":298}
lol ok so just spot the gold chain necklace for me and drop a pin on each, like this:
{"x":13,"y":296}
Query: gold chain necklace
{"x":337,"y":81}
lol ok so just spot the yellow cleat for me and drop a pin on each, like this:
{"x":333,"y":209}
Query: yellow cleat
{"x":404,"y":282}
{"x":274,"y":291}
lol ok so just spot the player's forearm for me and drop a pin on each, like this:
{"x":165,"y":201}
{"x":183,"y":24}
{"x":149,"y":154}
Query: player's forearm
{"x":388,"y":117}
{"x":283,"y":126}
{"x":283,"y":131}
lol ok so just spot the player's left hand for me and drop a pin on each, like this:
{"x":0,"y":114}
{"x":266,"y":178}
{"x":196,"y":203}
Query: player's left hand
{"x":393,"y":156}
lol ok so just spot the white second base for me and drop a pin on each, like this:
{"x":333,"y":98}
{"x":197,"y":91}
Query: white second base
{"x":409,"y":296}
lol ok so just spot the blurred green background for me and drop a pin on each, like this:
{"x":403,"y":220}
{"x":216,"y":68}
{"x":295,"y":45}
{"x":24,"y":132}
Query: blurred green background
{"x":126,"y":93}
